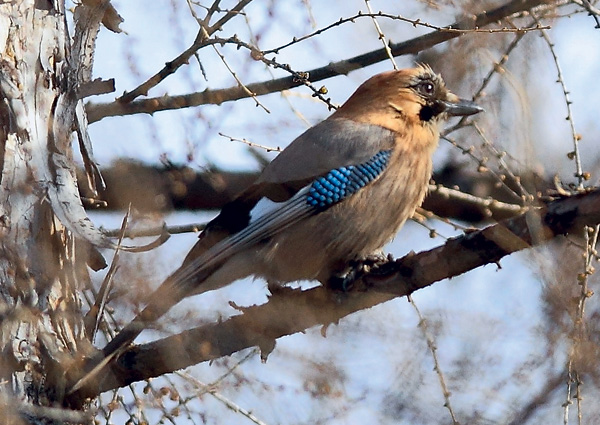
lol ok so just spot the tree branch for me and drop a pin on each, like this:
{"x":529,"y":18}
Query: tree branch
{"x":290,"y":311}
{"x":217,"y":96}
{"x":164,"y":188}
{"x":172,"y":66}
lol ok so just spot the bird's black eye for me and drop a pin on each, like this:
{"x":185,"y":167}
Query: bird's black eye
{"x":426,"y":88}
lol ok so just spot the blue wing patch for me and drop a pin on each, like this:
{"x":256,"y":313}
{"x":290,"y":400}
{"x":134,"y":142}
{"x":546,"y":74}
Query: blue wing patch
{"x":344,"y":181}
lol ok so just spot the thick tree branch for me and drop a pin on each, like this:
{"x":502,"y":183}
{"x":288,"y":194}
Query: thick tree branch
{"x":292,"y":311}
{"x":148,"y":188}
{"x":217,"y":96}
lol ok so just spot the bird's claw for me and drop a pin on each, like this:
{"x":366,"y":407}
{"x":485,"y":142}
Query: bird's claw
{"x":356,"y":269}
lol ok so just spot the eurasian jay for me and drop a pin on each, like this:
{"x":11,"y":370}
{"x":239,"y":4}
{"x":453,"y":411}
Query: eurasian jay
{"x":337,"y":193}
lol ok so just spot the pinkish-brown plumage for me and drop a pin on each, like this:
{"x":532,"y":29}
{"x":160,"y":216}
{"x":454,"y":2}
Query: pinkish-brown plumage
{"x":271,"y":232}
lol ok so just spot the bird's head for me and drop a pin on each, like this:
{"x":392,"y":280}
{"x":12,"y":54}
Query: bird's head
{"x":406,"y":97}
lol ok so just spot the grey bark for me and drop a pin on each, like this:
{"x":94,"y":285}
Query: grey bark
{"x":41,"y":216}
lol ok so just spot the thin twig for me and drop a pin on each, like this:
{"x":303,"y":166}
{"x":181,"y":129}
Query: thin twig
{"x":170,"y":68}
{"x":381,"y":36}
{"x":420,"y":216}
{"x":212,"y":390}
{"x":433,"y":348}
{"x":431,"y":215}
{"x":490,"y":203}
{"x":579,"y":174}
{"x":96,"y":313}
{"x":218,"y":96}
{"x":206,"y":388}
{"x":214,"y":7}
{"x":414,"y":22}
{"x":202,"y":40}
{"x":285,"y":94}
{"x":568,"y":401}
{"x":591,"y":9}
{"x":236,"y":78}
{"x":497,"y":68}
{"x":524,"y":193}
{"x":251,"y":144}
{"x":234,"y":11}
{"x":483,"y":166}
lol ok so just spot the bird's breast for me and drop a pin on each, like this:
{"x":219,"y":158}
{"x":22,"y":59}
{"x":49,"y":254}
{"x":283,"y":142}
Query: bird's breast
{"x":354,"y":228}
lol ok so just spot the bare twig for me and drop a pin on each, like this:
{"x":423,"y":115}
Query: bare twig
{"x":524,"y":193}
{"x":151,"y":105}
{"x":214,"y":8}
{"x":228,"y":403}
{"x":570,"y":381}
{"x":497,"y":68}
{"x":252,"y":144}
{"x":483,"y":166}
{"x":413,"y":22}
{"x":490,"y":203}
{"x":433,"y":232}
{"x":591,"y":9}
{"x":420,"y":216}
{"x":202,"y":40}
{"x":236,"y":78}
{"x":591,"y":239}
{"x":234,"y":11}
{"x":579,"y":174}
{"x":298,"y":310}
{"x":380,"y":33}
{"x":95,"y":315}
{"x":170,"y":68}
{"x":436,"y":363}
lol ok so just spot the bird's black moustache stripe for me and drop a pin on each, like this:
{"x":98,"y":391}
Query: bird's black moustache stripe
{"x":430,"y":111}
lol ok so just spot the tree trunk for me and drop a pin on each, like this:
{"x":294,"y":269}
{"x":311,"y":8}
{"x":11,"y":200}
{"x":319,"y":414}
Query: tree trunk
{"x":41,"y":216}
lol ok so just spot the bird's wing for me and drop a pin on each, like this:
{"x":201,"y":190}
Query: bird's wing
{"x":268,"y":218}
{"x":336,"y":157}
{"x":321,"y":168}
{"x":330,"y":145}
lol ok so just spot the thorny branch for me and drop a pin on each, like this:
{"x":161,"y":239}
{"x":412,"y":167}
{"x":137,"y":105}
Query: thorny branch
{"x":315,"y":306}
{"x":202,"y":40}
{"x":218,"y":96}
{"x":413,"y":22}
{"x":438,"y":370}
{"x":579,"y":174}
{"x":591,"y":9}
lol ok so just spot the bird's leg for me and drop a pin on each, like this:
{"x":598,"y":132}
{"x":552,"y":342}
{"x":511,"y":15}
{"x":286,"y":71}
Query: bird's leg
{"x":355,"y":269}
{"x":274,"y":286}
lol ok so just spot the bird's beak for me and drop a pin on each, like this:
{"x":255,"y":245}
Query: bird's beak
{"x":461,"y":107}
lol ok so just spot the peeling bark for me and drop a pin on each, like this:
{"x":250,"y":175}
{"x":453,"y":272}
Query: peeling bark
{"x":40,"y":210}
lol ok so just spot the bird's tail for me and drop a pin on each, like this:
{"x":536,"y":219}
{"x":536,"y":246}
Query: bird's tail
{"x":184,"y":281}
{"x":212,"y":250}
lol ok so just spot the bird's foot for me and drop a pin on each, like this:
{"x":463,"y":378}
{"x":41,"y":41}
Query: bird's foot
{"x":356,"y":269}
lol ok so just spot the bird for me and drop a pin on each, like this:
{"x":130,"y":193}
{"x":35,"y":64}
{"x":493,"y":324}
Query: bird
{"x":337,"y":193}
